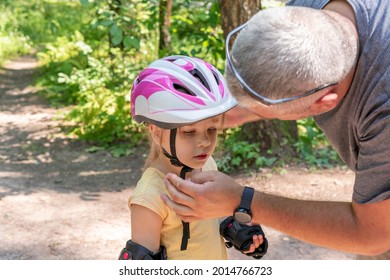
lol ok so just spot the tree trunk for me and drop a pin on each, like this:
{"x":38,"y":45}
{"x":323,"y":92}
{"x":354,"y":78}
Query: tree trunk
{"x":164,"y":25}
{"x":277,"y":136}
{"x":236,"y":12}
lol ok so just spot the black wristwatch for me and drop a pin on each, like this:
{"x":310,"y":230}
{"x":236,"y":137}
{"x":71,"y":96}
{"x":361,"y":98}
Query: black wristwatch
{"x":243,"y":214}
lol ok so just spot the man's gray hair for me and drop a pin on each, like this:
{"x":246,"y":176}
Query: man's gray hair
{"x":286,"y":51}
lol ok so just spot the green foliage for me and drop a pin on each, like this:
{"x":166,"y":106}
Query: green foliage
{"x":313,"y":145}
{"x":313,"y":148}
{"x":91,"y":51}
{"x":27,"y":25}
{"x":58,"y":60}
{"x":97,"y":89}
{"x":241,"y":155}
{"x":128,"y":23}
{"x":12,"y":40}
{"x":94,"y":74}
{"x":196,"y":30}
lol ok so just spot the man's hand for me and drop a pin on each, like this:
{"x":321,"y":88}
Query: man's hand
{"x":209,"y":194}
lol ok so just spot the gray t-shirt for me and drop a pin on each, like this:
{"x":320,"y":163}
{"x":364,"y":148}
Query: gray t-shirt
{"x":359,"y":127}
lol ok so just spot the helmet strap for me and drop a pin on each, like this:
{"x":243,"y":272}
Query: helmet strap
{"x":176,"y":162}
{"x":172,"y":145}
{"x":173,"y":157}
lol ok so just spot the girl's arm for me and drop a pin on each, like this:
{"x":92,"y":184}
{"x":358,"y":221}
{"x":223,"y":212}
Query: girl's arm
{"x":145,"y":227}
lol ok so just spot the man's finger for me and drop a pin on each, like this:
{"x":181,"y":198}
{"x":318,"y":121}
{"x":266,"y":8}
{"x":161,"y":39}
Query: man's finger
{"x":195,"y":171}
{"x":203,"y":177}
{"x":175,"y":185}
{"x":178,"y":208}
{"x":177,"y":196}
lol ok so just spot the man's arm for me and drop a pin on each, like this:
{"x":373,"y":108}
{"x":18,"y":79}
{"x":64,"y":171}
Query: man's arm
{"x":239,"y":116}
{"x":355,"y":228}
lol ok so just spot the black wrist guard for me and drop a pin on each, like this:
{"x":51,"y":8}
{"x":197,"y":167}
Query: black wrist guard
{"x":241,"y":237}
{"x":134,"y":251}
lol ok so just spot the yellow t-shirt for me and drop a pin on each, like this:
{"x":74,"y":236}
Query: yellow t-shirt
{"x":205,"y":242}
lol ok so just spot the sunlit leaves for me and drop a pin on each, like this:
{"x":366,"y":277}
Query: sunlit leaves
{"x":116,"y":34}
{"x":131,"y":41}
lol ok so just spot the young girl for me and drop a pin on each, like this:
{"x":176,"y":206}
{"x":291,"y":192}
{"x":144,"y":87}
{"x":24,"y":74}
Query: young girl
{"x":182,"y":100}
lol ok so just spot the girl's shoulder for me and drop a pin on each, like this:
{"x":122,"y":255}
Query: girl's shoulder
{"x":151,"y":177}
{"x":148,"y":190}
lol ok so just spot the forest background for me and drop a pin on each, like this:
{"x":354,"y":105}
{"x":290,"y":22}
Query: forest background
{"x":90,"y":51}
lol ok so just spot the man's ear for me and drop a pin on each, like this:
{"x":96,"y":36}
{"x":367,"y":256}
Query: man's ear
{"x":325,"y":103}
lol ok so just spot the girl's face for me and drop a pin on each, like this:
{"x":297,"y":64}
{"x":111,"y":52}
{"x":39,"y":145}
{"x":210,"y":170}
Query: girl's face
{"x":195,"y":143}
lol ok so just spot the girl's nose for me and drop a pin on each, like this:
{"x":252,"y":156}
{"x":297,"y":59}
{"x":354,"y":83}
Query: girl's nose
{"x":204,"y":140}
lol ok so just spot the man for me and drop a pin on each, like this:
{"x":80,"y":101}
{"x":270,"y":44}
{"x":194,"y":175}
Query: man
{"x":341,"y":50}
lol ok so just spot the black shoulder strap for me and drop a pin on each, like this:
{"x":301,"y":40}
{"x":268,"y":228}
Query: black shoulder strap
{"x":176,"y":162}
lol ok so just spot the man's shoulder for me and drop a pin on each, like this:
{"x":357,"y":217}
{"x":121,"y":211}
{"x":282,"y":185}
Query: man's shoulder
{"x":308,"y":3}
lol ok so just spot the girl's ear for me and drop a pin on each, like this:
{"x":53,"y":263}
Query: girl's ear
{"x":155,"y":132}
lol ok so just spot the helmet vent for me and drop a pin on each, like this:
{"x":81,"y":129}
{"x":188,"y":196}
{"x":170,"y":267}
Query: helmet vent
{"x":200,"y":78}
{"x":215,"y":76}
{"x":183,"y":89}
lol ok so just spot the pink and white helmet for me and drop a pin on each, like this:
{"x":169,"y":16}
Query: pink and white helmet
{"x":179,"y":90}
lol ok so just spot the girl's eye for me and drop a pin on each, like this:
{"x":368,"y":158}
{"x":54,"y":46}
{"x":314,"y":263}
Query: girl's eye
{"x":189,"y":131}
{"x":212,"y":130}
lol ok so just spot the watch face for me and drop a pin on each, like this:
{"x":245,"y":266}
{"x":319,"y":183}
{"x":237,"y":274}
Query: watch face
{"x":242,"y":217}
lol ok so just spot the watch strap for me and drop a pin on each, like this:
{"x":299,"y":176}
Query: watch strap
{"x":246,"y":199}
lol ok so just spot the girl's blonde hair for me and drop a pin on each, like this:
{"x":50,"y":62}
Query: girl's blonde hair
{"x":154,"y":151}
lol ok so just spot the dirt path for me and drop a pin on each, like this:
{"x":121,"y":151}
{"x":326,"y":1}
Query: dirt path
{"x":59,"y":202}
